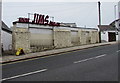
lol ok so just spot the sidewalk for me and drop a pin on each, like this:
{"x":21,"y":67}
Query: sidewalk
{"x":11,"y":58}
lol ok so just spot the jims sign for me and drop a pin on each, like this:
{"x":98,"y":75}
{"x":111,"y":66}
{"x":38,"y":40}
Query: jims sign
{"x":39,"y":19}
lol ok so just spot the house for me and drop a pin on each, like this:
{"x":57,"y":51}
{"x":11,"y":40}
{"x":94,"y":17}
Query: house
{"x":109,"y":32}
{"x":6,"y":37}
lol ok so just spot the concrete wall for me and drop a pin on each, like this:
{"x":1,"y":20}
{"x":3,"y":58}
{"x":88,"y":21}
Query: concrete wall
{"x":6,"y":39}
{"x":94,"y":37}
{"x":74,"y":38}
{"x":39,"y":37}
{"x":62,"y":38}
{"x":21,"y":39}
{"x":84,"y":36}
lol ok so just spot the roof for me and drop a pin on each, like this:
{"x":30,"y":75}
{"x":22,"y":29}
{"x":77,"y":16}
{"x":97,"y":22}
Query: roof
{"x":113,"y":23}
{"x":68,"y":24}
{"x":6,"y":28}
{"x":106,"y":28}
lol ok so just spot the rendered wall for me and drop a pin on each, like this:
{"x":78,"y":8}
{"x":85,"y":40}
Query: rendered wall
{"x":62,"y":38}
{"x":6,"y":39}
{"x":74,"y":38}
{"x":83,"y":38}
{"x":94,"y":37}
{"x":38,"y":38}
{"x":20,"y":39}
{"x":41,"y":37}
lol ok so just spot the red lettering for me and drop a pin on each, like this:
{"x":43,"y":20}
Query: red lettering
{"x":34,"y":18}
{"x":25,"y":20}
{"x":46,"y":20}
{"x":39,"y":19}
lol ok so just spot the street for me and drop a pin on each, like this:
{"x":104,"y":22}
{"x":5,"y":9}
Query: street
{"x":92,"y":64}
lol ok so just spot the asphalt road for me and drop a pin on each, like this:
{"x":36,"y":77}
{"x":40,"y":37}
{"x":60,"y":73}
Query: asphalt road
{"x":92,"y":64}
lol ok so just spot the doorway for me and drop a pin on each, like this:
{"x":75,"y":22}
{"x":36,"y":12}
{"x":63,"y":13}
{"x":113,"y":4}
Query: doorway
{"x":111,"y":36}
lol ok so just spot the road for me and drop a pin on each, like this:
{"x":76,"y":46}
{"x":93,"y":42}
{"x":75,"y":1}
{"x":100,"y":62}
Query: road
{"x":92,"y":64}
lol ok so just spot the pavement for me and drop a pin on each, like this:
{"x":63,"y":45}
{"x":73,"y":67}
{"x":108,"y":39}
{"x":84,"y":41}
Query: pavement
{"x":13,"y":58}
{"x":98,"y":63}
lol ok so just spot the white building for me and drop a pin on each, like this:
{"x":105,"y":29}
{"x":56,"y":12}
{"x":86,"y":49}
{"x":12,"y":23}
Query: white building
{"x":6,"y":37}
{"x":109,"y":33}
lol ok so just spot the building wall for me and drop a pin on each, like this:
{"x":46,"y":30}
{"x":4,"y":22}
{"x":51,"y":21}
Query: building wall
{"x":119,"y":36}
{"x":6,"y":39}
{"x":84,"y":36}
{"x":21,"y":39}
{"x":62,"y":38}
{"x":74,"y":38}
{"x":40,"y":37}
{"x":94,"y":37}
{"x":105,"y":38}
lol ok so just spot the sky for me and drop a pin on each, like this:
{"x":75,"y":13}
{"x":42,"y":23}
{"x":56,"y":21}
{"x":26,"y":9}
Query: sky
{"x":81,"y":13}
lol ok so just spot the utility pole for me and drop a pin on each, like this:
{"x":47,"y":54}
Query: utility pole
{"x":99,"y":12}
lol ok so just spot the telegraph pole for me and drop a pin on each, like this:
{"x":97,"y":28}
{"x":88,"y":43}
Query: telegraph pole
{"x":99,"y":10}
{"x":99,"y":14}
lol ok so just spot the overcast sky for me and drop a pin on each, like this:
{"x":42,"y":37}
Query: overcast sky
{"x":81,"y":13}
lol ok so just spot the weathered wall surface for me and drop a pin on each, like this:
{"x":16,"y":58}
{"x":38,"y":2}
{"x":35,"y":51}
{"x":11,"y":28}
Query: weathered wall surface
{"x":41,"y":39}
{"x":83,"y":37}
{"x":74,"y":38}
{"x":62,"y":38}
{"x":38,"y":38}
{"x":93,"y":37}
{"x":21,"y":39}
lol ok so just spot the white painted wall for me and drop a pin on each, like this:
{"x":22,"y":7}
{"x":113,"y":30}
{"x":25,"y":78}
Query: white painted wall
{"x":119,"y":36}
{"x":104,"y":36}
{"x":6,"y":39}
